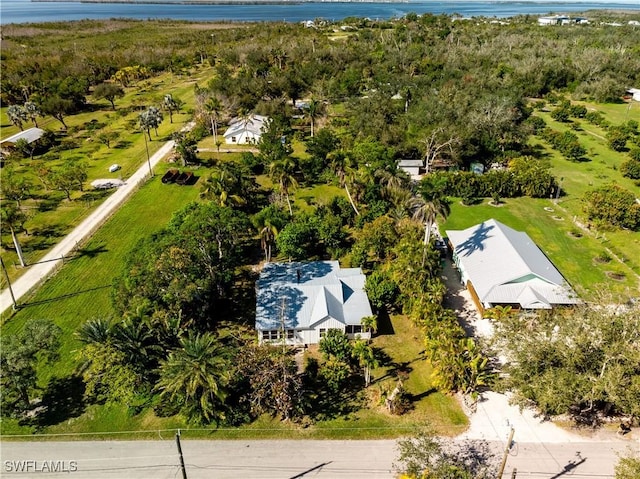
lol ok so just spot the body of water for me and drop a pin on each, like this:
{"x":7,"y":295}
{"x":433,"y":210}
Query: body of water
{"x":25,"y":11}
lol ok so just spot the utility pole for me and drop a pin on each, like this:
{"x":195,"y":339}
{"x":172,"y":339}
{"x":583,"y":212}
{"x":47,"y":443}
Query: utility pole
{"x":184,"y":472}
{"x":6,"y":275}
{"x":506,"y":453}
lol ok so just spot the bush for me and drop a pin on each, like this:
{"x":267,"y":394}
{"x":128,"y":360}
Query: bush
{"x":617,"y":138}
{"x":612,"y":205}
{"x":631,"y":169}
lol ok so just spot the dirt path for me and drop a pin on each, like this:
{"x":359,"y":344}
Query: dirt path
{"x":39,"y":272}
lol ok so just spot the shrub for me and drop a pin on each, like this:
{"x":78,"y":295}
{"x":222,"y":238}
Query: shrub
{"x":631,"y":169}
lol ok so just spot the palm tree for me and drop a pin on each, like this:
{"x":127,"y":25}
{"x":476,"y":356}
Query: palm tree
{"x":213,"y":107}
{"x":225,"y":185}
{"x":282,"y":172}
{"x":13,"y":218}
{"x":32,"y":111}
{"x":95,"y":331}
{"x":370,"y":323}
{"x":169,"y":104}
{"x":268,"y":234}
{"x":426,"y":212}
{"x":340,"y":163}
{"x":314,"y":109}
{"x":195,"y":374}
{"x":150,"y":118}
{"x":366,"y":358}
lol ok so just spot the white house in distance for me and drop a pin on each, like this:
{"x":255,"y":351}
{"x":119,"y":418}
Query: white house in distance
{"x":245,"y":130}
{"x":504,"y":267}
{"x":302,"y":301}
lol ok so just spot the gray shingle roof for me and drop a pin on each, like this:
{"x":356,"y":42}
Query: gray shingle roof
{"x":306,"y":293}
{"x":506,"y":266}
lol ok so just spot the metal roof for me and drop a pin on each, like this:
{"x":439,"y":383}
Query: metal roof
{"x":304,"y":294}
{"x":506,"y":266}
{"x":252,"y":124}
{"x":31,"y":135}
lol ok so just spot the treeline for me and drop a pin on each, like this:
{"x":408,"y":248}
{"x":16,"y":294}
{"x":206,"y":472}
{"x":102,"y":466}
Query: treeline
{"x":398,"y":78}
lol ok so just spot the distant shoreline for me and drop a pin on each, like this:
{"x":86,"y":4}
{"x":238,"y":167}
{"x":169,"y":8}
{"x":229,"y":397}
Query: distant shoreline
{"x":218,"y":2}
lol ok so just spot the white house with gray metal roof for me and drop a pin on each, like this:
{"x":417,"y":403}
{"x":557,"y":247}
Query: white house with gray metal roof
{"x":302,"y":301}
{"x":502,"y":266}
{"x":245,"y":130}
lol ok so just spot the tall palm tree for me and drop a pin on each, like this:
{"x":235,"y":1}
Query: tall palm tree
{"x":370,"y":323}
{"x":213,"y":107}
{"x":314,"y":109}
{"x":341,"y":165}
{"x":426,"y":212}
{"x":196,"y":374}
{"x":366,"y":358}
{"x":268,"y":234}
{"x":282,"y":172}
{"x":170,"y":104}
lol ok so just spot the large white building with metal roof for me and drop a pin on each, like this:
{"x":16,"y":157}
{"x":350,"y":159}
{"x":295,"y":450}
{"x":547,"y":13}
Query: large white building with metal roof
{"x":504,"y":267}
{"x":299,"y":302}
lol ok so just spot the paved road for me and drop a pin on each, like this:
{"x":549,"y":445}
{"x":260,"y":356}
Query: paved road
{"x":37,"y":273}
{"x":280,"y":459}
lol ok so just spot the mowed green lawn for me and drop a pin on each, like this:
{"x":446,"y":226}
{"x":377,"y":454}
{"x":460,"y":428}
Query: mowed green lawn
{"x":50,"y":215}
{"x":81,"y":289}
{"x":550,"y":230}
{"x":601,"y":168}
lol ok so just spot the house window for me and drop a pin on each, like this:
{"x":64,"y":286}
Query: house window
{"x":271,"y":335}
{"x":233,"y":139}
{"x":290,"y":333}
{"x":323,"y":331}
{"x":354,"y":329}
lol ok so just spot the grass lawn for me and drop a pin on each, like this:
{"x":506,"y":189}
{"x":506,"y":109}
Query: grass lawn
{"x":550,"y":230}
{"x":50,"y":215}
{"x":601,"y":168}
{"x":81,"y":289}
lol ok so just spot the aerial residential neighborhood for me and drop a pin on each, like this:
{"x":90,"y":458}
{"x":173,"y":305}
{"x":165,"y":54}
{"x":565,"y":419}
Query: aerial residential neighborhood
{"x":364,"y":247}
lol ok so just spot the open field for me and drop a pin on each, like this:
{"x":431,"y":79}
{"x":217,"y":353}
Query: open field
{"x":601,"y":168}
{"x":81,"y":289}
{"x":50,"y":215}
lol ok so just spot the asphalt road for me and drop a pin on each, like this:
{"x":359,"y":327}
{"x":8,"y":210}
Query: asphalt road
{"x":40,"y":271}
{"x":280,"y":459}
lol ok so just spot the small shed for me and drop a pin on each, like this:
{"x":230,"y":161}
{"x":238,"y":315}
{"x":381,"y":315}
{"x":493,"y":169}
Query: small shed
{"x":413,"y":168}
